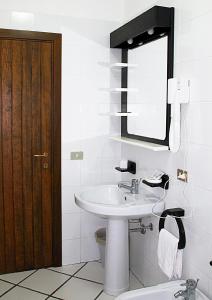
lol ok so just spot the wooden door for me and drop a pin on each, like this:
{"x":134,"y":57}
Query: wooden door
{"x":30,"y":213}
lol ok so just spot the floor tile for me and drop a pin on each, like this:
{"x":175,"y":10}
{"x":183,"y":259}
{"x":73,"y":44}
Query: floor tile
{"x":134,"y":283}
{"x":69,"y":269}
{"x":92,"y":271}
{"x":45,"y":281}
{"x":104,"y":296}
{"x":16,"y":277}
{"x":79,"y":289}
{"x":4,"y":286}
{"x":52,"y":298}
{"x":19,"y":293}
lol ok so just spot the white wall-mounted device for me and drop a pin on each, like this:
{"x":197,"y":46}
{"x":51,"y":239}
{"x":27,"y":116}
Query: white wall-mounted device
{"x":178,"y":93}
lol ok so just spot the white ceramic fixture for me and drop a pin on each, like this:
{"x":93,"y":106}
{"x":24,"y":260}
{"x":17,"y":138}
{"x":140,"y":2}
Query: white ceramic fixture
{"x":118,"y":206}
{"x":164,"y":291}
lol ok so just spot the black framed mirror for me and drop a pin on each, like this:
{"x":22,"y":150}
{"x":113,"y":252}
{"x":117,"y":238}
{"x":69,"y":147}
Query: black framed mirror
{"x":147,"y":42}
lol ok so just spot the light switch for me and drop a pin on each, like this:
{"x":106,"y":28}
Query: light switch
{"x":77,"y":155}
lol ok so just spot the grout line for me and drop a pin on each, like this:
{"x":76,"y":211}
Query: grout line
{"x":45,"y":294}
{"x":137,"y":278}
{"x":72,"y":276}
{"x":58,"y":272}
{"x":53,"y":298}
{"x":67,"y":273}
{"x":19,"y":281}
{"x":26,"y":288}
{"x":14,"y":284}
{"x":87,"y":280}
{"x":99,"y":295}
{"x":8,"y":282}
{"x":59,"y":287}
{"x":80,"y":269}
{"x":10,"y":289}
{"x":27,"y":277}
{"x":32,"y":290}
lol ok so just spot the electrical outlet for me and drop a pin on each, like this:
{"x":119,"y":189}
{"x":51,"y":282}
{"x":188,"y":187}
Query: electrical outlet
{"x":182,"y":175}
{"x":77,"y":155}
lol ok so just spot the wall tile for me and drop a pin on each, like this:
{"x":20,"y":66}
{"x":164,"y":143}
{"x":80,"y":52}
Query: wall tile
{"x":90,"y":223}
{"x":68,"y":201}
{"x":71,"y":172}
{"x":198,"y":71}
{"x":199,"y":119}
{"x":89,"y":249}
{"x":71,"y":225}
{"x":200,"y":157}
{"x":91,"y":171}
{"x":71,"y":251}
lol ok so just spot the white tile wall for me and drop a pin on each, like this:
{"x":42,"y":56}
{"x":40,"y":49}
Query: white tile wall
{"x":90,"y":224}
{"x":84,"y":129}
{"x":89,"y":251}
{"x":69,"y":205}
{"x":193,"y":48}
{"x":71,"y":251}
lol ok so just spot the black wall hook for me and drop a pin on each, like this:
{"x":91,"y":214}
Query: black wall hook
{"x":178,"y":213}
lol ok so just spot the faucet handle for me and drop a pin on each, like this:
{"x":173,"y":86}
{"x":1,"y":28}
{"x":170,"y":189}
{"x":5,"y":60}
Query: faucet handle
{"x":136,"y":181}
{"x":190,"y":284}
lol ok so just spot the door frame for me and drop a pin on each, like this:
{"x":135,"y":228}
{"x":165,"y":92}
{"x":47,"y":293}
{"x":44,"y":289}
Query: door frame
{"x":56,"y":40}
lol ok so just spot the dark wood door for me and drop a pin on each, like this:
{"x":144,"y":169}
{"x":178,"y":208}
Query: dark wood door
{"x":30,"y":214}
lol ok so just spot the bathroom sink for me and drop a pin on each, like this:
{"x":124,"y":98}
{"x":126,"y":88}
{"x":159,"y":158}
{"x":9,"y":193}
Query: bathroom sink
{"x":110,"y":201}
{"x":164,"y":291}
{"x":117,"y":206}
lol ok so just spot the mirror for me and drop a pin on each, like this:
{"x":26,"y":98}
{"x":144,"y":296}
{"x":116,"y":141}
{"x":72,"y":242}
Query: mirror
{"x":149,"y":103}
{"x":148,"y":42}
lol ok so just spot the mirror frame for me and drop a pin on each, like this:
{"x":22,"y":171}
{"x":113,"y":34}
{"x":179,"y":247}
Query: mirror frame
{"x":161,"y":19}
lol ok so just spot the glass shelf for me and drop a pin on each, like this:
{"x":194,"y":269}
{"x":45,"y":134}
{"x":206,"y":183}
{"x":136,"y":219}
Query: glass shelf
{"x":142,"y":144}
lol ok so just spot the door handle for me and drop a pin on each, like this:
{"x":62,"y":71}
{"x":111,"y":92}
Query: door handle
{"x":45,"y":154}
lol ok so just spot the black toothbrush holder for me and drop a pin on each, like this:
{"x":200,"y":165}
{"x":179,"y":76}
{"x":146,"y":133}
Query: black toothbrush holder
{"x":164,"y":184}
{"x":131,"y":167}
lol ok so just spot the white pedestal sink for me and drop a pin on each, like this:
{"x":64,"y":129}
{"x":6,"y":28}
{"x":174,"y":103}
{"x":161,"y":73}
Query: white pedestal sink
{"x":111,"y":202}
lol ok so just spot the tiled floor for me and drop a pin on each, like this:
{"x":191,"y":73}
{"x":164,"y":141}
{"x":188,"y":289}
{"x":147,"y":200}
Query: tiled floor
{"x":74,"y":282}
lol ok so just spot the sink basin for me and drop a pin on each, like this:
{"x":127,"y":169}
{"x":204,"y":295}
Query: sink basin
{"x":110,"y":201}
{"x":118,"y":206}
{"x":164,"y":291}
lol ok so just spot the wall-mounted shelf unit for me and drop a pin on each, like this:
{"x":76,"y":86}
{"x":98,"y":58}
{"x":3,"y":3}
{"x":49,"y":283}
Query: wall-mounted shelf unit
{"x":120,"y":114}
{"x":142,"y":144}
{"x":122,"y":65}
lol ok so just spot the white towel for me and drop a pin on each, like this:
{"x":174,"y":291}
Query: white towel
{"x":169,"y":257}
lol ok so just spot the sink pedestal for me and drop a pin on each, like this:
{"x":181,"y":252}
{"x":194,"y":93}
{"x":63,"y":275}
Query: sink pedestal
{"x":117,"y":257}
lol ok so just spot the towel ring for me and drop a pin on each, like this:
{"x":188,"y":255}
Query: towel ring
{"x":177,"y":213}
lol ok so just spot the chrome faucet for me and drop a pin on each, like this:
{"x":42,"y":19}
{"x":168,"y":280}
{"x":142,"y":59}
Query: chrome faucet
{"x":133,"y":188}
{"x":190,"y":292}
